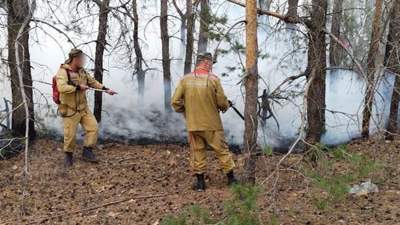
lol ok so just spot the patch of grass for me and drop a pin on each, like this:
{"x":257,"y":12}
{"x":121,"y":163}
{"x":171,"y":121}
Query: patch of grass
{"x":273,"y":220}
{"x":267,"y":150}
{"x":320,"y":203}
{"x":193,"y":215}
{"x":336,"y":184}
{"x":241,"y":209}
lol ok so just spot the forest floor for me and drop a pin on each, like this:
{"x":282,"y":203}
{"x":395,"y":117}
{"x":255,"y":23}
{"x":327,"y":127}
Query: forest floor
{"x":139,"y":185}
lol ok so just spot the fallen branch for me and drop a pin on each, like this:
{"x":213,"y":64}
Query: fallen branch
{"x":41,"y":220}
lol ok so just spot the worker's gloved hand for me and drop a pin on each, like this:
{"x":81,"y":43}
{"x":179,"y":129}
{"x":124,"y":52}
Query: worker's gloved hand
{"x":83,"y":87}
{"x":111,"y":92}
{"x":230,"y":103}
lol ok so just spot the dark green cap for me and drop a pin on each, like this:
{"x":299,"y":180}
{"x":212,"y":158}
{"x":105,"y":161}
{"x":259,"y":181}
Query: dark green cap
{"x":75,"y":52}
{"x":204,"y":55}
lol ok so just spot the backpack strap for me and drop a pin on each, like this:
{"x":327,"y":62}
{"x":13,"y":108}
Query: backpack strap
{"x":68,"y":75}
{"x":69,"y":79}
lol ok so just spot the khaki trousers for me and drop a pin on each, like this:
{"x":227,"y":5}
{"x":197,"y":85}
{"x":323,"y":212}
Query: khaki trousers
{"x":88,"y":123}
{"x":198,"y":141}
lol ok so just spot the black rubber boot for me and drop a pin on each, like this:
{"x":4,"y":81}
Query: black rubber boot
{"x":200,"y":184}
{"x":88,"y":155}
{"x":231,"y":178}
{"x":68,"y":160}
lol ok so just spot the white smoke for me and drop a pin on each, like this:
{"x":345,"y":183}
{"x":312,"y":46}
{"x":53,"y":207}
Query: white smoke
{"x":125,"y":118}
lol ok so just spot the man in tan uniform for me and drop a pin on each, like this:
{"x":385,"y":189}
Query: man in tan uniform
{"x":72,"y":83}
{"x":200,"y":97}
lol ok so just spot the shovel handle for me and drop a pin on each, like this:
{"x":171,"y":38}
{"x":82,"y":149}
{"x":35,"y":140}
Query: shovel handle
{"x":95,"y":89}
{"x":237,"y":112}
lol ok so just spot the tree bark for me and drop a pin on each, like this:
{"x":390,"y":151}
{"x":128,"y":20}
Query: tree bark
{"x":166,"y":61}
{"x":335,"y":50}
{"x":189,"y":36}
{"x":251,"y":89}
{"x":371,"y":68}
{"x":140,"y":73}
{"x":17,"y":10}
{"x":204,"y":25}
{"x":392,"y":62}
{"x":292,"y":8}
{"x":98,"y":61}
{"x":316,"y":71}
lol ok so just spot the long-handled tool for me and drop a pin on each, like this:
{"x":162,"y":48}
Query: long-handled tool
{"x":99,"y":90}
{"x":95,"y":89}
{"x":237,"y":111}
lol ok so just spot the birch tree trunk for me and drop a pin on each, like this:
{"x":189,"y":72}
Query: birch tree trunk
{"x":392,"y":62}
{"x":251,"y":89}
{"x":371,"y":68}
{"x":166,"y":61}
{"x":17,"y":11}
{"x":98,"y":61}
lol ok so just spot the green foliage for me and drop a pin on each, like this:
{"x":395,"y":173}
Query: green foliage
{"x":361,"y":165}
{"x":193,"y":215}
{"x":217,"y":25}
{"x":263,"y":55}
{"x":241,"y":209}
{"x":267,"y":150}
{"x":320,"y":203}
{"x":274,"y":220}
{"x":237,"y":46}
{"x":335,"y":185}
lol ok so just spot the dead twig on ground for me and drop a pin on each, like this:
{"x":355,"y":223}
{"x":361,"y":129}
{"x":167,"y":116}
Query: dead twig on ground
{"x":41,"y":220}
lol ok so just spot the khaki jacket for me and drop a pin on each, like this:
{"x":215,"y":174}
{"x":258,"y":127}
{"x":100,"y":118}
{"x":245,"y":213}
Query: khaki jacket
{"x":201,"y":98}
{"x":70,"y":97}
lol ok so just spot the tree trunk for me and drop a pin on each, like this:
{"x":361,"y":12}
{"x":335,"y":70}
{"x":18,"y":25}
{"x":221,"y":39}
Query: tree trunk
{"x":17,"y":12}
{"x":189,"y":36}
{"x":371,"y":68}
{"x":138,"y":52}
{"x":292,"y":8}
{"x":335,"y":50}
{"x":98,"y":61}
{"x":316,"y":71}
{"x":166,"y":61}
{"x":251,"y":88}
{"x":392,"y":62}
{"x":204,"y":25}
{"x":183,"y":18}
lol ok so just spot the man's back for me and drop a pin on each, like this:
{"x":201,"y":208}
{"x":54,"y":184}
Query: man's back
{"x":200,"y":97}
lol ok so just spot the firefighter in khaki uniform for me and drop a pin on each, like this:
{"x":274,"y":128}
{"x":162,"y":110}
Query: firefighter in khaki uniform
{"x":72,"y":83}
{"x":200,"y":97}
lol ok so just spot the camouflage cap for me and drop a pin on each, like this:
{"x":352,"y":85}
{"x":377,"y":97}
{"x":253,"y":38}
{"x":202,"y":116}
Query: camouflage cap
{"x":204,"y":55}
{"x":75,"y":52}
